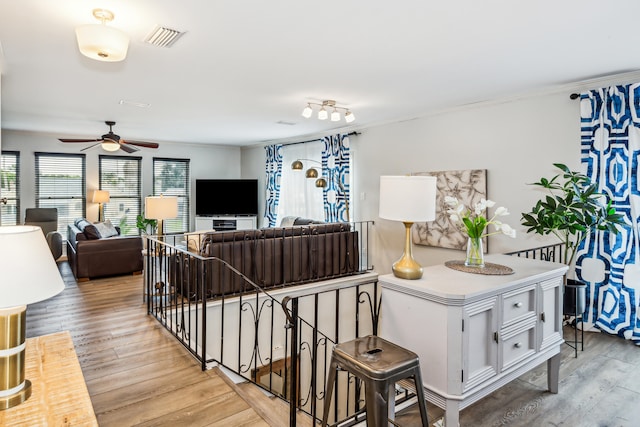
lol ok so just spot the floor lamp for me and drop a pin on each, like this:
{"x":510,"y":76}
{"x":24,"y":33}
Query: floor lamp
{"x":29,"y":274}
{"x":100,"y":197}
{"x":408,"y":199}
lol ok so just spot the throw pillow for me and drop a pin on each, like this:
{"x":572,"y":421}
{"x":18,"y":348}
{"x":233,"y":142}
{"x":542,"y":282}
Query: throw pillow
{"x":91,"y":232}
{"x":106,"y":229}
{"x":288,"y":221}
{"x":81,"y":223}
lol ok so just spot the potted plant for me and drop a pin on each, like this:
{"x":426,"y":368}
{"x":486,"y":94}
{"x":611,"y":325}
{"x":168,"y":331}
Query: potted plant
{"x":146,"y":225}
{"x":572,"y":209}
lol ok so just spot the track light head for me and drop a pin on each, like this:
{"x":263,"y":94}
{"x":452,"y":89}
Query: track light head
{"x":307,"y":112}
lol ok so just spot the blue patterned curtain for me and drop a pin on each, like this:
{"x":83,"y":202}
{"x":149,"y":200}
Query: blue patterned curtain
{"x":608,"y":263}
{"x":336,"y":164}
{"x":273,"y":168}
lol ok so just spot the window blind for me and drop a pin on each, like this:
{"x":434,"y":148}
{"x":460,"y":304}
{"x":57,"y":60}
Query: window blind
{"x":122,"y":178}
{"x":171,"y":178}
{"x":61,"y":183}
{"x":10,"y":187}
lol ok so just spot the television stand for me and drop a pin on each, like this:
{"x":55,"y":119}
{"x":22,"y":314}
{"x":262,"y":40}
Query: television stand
{"x":227,"y":222}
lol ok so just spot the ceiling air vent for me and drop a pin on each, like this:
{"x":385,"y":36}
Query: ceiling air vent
{"x":163,"y":36}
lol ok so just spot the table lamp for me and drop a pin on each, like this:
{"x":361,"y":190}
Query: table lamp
{"x":408,"y":199}
{"x":29,"y":275}
{"x":160,"y":208}
{"x":100,"y":197}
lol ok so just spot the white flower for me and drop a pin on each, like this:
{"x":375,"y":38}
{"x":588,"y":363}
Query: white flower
{"x":474,"y":223}
{"x":502,"y":211}
{"x":507,"y":230}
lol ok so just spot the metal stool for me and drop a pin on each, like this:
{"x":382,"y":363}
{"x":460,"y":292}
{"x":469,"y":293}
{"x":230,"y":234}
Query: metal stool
{"x":380,"y":364}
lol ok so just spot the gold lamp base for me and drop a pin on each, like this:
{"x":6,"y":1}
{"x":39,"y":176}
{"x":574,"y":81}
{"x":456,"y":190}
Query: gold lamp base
{"x":406,"y":267}
{"x":16,"y":398}
{"x":14,"y":388}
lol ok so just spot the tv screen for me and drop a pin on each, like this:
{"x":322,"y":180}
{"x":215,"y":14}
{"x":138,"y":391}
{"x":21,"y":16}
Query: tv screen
{"x":226,"y":197}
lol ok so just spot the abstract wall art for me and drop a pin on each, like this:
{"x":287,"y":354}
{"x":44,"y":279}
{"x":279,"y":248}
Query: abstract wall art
{"x":469,"y":186}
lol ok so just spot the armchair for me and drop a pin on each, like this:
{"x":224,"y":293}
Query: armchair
{"x":47,"y":220}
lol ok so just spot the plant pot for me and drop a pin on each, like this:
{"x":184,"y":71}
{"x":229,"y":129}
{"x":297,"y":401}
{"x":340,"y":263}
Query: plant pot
{"x":575,"y":298}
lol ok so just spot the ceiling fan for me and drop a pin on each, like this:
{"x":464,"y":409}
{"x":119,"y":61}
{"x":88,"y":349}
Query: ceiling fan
{"x":112,"y":142}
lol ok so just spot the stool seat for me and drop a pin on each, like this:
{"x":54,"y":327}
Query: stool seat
{"x":379,"y":364}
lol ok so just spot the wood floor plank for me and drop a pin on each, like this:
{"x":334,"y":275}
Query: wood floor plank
{"x":136,"y":372}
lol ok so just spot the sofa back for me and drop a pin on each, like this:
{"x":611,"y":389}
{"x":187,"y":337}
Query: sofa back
{"x":274,"y":257}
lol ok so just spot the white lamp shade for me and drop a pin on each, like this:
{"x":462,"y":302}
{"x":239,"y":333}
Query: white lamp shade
{"x":408,"y":198}
{"x":28,"y":272}
{"x":161,"y":207}
{"x":100,"y":196}
{"x":102,"y":43}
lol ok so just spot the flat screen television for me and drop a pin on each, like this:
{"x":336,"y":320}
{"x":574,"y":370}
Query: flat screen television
{"x":226,"y":197}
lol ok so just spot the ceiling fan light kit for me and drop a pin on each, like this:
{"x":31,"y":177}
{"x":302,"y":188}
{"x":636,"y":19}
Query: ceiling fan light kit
{"x":112,"y":142}
{"x":323,"y":114}
{"x":102,"y":43}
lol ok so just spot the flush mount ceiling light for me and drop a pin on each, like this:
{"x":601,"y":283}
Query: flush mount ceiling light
{"x":102,"y":43}
{"x":326,"y":107}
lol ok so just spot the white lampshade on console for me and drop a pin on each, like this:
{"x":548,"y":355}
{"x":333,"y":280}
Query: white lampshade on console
{"x":160,"y":208}
{"x":408,"y":199}
{"x":29,"y":275}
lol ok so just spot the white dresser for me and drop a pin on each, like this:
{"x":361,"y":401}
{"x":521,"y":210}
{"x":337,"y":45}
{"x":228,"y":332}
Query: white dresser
{"x":475,"y":333}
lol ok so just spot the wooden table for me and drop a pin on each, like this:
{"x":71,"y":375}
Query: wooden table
{"x":59,"y":394}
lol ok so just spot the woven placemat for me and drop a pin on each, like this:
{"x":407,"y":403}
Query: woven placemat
{"x":489,"y":268}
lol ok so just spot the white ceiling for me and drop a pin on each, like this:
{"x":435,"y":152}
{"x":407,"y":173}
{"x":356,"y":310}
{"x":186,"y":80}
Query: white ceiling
{"x":243,"y":66}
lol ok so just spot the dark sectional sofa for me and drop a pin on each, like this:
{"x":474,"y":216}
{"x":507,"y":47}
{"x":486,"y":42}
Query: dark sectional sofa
{"x":91,"y":255}
{"x":269,"y":257}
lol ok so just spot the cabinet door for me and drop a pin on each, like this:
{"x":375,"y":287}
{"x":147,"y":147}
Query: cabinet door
{"x":550,"y":316}
{"x":479,"y":345}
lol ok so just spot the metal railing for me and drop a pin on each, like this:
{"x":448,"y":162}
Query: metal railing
{"x":553,"y":253}
{"x":278,"y":338}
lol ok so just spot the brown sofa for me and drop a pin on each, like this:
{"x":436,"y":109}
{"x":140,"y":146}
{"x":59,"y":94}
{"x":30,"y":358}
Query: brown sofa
{"x":91,"y":255}
{"x":270,"y":257}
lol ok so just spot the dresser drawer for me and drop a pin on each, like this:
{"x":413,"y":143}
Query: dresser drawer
{"x":518,"y":305}
{"x":518,"y":346}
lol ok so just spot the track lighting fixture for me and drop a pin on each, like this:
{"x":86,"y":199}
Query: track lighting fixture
{"x":323,"y":114}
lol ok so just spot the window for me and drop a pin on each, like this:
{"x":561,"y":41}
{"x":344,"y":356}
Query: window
{"x":171,"y":178}
{"x":61,"y":183}
{"x":299,"y":195}
{"x":10,"y":187}
{"x":122,"y":178}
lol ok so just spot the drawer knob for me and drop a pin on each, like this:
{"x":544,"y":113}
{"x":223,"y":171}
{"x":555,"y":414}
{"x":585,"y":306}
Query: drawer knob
{"x":518,"y":345}
{"x":517,"y":305}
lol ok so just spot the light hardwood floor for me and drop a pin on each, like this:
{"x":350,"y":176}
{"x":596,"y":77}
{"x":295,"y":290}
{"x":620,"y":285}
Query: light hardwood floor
{"x":138,"y":375}
{"x":599,"y":388}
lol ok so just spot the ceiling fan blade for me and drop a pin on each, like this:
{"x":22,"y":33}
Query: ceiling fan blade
{"x":141,"y":143}
{"x":91,"y":146}
{"x":127,"y":149}
{"x":78,"y":140}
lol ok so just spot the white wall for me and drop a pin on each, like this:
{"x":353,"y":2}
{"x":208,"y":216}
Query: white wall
{"x":207,"y":161}
{"x":516,"y":141}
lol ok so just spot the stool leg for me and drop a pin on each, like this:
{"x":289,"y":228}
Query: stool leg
{"x":377,"y":403}
{"x":333,"y":366}
{"x":422,"y":403}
